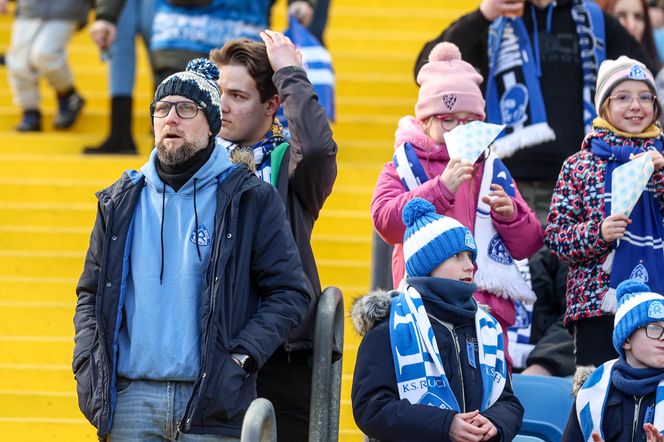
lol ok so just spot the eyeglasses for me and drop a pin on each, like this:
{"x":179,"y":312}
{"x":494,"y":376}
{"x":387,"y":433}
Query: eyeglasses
{"x":449,"y":122}
{"x":654,"y":331}
{"x":624,"y":100}
{"x":184,"y":109}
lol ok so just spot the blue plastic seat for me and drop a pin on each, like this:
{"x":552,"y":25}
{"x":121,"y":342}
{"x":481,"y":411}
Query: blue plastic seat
{"x":547,"y":401}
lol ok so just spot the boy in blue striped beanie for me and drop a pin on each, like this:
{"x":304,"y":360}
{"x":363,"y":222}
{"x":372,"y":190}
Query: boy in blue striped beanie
{"x":431,"y":365}
{"x":629,"y":389}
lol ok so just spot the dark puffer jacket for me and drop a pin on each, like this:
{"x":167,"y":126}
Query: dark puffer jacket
{"x":377,"y":408}
{"x":254,"y":294}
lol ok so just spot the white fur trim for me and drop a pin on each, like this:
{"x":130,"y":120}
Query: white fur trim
{"x":528,"y":136}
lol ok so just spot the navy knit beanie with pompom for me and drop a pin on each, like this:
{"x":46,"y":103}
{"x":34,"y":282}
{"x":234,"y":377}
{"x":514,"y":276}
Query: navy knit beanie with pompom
{"x":430,"y":238}
{"x":198,"y":82}
{"x":637,"y":306}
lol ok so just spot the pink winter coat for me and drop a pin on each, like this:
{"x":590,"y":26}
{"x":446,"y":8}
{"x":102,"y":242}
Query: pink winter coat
{"x":521,"y":233}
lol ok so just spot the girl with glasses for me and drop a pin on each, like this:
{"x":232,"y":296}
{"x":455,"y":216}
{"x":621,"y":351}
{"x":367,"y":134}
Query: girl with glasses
{"x":450,"y":96}
{"x":601,"y":249}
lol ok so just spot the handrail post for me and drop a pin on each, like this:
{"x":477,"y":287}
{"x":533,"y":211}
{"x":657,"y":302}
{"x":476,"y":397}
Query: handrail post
{"x":326,"y":377}
{"x":381,"y":264}
{"x":259,"y":424}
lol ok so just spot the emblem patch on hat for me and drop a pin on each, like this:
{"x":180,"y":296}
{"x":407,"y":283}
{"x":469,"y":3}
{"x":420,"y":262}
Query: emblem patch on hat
{"x":469,"y":240}
{"x":636,"y":72}
{"x":656,"y":310}
{"x":449,"y":100}
{"x":202,"y":236}
{"x":498,"y":252}
{"x":639,"y":273}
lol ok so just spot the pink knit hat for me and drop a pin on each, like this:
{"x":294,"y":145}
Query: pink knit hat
{"x":448,"y":84}
{"x":613,"y":72}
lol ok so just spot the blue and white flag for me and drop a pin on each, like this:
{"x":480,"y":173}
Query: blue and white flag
{"x":317,"y":61}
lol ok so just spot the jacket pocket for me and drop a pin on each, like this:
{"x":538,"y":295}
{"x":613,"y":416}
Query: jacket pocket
{"x":87,"y":384}
{"x":232,"y":390}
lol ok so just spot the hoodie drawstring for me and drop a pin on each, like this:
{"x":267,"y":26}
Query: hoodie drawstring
{"x":536,"y":43}
{"x":163,"y":212}
{"x":198,"y":247}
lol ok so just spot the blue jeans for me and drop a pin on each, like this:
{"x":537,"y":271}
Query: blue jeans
{"x":151,"y":410}
{"x":135,"y":19}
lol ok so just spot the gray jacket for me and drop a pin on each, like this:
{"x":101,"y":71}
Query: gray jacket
{"x":51,"y":9}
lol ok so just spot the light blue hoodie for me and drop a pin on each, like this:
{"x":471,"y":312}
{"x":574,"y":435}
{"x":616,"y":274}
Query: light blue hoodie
{"x":160,"y":334}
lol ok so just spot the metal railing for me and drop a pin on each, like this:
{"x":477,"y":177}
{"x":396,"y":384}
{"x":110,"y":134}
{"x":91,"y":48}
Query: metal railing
{"x":381,"y":264}
{"x":326,"y":379}
{"x":259,"y":423}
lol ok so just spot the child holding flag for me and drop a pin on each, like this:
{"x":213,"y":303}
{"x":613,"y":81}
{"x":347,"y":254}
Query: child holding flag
{"x":582,"y":229}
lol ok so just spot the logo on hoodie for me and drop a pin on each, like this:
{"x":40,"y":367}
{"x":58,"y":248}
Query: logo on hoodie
{"x":201,"y":236}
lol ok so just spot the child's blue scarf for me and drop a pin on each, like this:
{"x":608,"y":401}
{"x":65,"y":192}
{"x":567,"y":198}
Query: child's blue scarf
{"x":640,"y":253}
{"x":418,"y":365}
{"x":592,"y":396}
{"x":514,"y":95}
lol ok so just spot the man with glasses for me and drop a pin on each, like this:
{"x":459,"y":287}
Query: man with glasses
{"x":191,"y":280}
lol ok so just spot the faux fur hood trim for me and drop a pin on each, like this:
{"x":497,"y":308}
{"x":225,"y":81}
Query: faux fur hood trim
{"x":410,"y":130}
{"x":243,"y":156}
{"x":369,"y":309}
{"x":581,"y":374}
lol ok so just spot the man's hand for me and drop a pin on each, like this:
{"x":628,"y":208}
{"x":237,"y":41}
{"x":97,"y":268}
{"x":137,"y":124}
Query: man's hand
{"x":652,"y":433}
{"x":456,"y":173}
{"x":500,"y":201}
{"x":614,"y":227}
{"x":302,"y":11}
{"x":280,"y":50}
{"x":492,"y":9}
{"x":462,"y":430}
{"x":103,"y":33}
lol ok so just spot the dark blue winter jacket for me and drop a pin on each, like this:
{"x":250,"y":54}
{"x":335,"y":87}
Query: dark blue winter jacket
{"x":377,"y":409}
{"x":254,"y":294}
{"x":618,"y":424}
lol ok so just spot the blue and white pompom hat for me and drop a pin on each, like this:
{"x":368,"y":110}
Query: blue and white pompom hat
{"x":430,"y":238}
{"x":198,"y":82}
{"x":637,"y":307}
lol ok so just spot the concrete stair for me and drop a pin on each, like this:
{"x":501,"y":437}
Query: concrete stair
{"x":47,"y":203}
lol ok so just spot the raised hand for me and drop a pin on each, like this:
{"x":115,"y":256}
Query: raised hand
{"x":280,"y":50}
{"x":652,"y":433}
{"x":456,"y":173}
{"x":302,"y":11}
{"x":499,"y":201}
{"x":614,"y":227}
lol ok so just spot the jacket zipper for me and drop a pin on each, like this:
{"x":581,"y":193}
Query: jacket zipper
{"x":190,"y":406}
{"x":637,"y":411}
{"x":458,"y":358}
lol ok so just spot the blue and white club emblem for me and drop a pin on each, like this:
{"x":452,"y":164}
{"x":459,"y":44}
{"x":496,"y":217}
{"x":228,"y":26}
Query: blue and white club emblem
{"x":469,"y":240}
{"x":498,"y":252}
{"x":656,"y":310}
{"x":513,"y":105}
{"x":639,"y":273}
{"x":636,"y":72}
{"x":201,"y":236}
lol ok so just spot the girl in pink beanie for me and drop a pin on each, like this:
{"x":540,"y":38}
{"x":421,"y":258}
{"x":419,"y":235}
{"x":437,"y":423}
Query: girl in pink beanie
{"x":450,"y":96}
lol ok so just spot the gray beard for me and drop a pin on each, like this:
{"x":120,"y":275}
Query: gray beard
{"x":177,"y":156}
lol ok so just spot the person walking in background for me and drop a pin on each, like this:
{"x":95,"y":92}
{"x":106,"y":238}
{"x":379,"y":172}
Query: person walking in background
{"x":169,"y":337}
{"x":40,"y":33}
{"x":449,"y":96}
{"x":581,"y":228}
{"x":114,"y":32}
{"x":255,"y":79}
{"x":539,"y":78}
{"x":622,"y":399}
{"x":431,"y":365}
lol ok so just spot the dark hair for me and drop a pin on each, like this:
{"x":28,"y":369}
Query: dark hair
{"x":647,"y":41}
{"x":253,"y":56}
